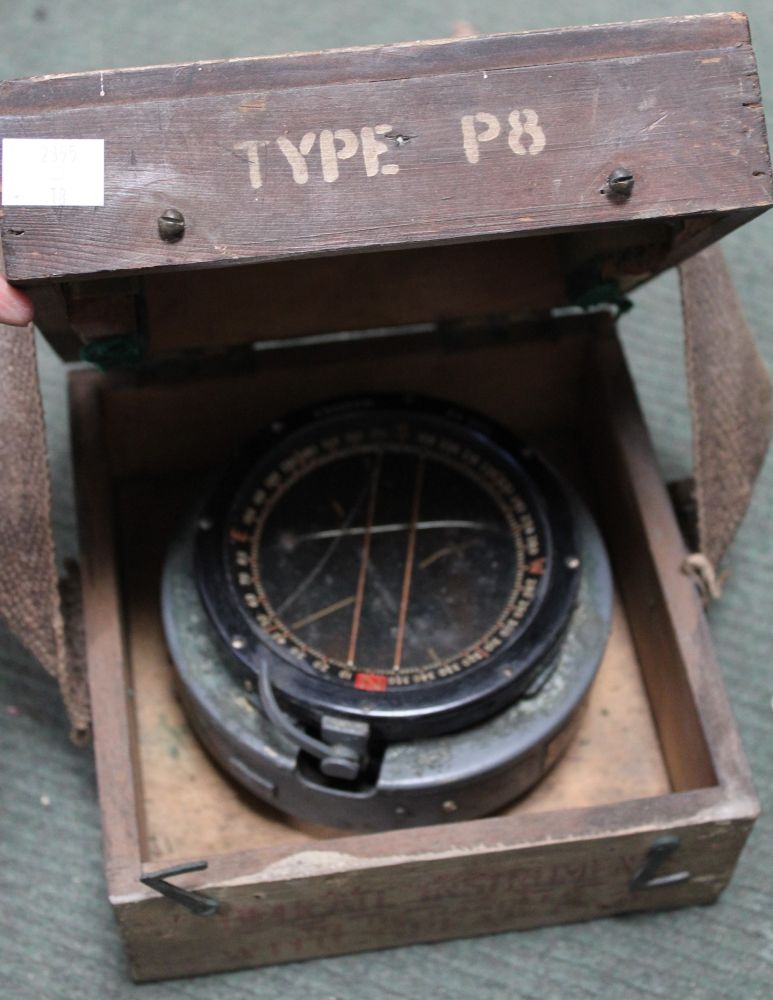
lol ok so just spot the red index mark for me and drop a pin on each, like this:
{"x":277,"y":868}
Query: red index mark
{"x":370,"y":682}
{"x":238,"y":536}
{"x":537,"y":566}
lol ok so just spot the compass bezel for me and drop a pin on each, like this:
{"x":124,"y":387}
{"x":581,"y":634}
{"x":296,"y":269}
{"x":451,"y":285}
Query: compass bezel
{"x":442,"y":705}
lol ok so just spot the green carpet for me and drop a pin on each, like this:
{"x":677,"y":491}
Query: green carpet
{"x":57,"y":935}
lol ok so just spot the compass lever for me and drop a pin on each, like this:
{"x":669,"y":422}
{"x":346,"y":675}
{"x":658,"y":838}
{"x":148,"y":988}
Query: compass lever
{"x":348,"y":741}
{"x":337,"y":760}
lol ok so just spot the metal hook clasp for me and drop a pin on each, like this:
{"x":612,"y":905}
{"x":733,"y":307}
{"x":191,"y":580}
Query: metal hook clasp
{"x":661,"y":849}
{"x":196,"y":902}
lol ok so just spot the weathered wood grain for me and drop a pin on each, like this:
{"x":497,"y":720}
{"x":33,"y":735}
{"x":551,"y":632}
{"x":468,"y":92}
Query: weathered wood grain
{"x":384,"y":62}
{"x":355,"y":894}
{"x":676,"y":101}
{"x":498,"y":280}
{"x":327,"y":901}
{"x":696,"y":726}
{"x":636,"y":544}
{"x":112,"y":719}
{"x":228,"y":306}
{"x":207,"y":418}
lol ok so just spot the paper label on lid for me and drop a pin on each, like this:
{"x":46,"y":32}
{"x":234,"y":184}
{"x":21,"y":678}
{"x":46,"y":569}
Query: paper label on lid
{"x":53,"y":172}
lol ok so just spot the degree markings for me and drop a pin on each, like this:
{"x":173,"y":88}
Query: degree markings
{"x":511,"y":504}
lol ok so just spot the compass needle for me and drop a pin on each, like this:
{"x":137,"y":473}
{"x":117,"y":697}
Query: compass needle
{"x":389,"y":529}
{"x":364,"y":558}
{"x":324,"y":558}
{"x":323,"y":613}
{"x":409,"y":559}
{"x":447,"y":550}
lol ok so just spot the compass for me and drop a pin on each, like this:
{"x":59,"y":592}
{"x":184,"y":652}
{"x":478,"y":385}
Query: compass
{"x":378,"y":574}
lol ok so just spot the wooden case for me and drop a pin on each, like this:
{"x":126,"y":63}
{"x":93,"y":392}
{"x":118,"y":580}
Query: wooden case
{"x":651,"y":805}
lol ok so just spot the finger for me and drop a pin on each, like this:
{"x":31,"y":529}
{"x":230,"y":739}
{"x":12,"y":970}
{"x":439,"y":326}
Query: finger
{"x":15,"y":307}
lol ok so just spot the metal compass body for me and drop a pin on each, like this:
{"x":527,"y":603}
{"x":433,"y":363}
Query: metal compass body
{"x":386,"y":569}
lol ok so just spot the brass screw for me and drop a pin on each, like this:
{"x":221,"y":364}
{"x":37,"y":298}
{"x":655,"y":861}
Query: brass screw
{"x":171,"y":225}
{"x":620,"y":182}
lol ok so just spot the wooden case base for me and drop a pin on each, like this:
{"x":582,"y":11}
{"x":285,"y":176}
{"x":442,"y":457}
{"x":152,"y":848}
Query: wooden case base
{"x":656,"y":753}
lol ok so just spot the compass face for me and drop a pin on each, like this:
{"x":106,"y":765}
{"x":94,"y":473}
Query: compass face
{"x":393,"y":558}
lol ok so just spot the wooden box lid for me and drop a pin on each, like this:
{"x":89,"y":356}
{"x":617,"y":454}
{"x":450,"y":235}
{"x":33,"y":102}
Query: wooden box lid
{"x":280,"y":161}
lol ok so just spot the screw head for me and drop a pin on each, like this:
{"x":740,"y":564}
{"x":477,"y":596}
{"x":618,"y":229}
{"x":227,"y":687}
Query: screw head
{"x":237,"y":642}
{"x":572,"y":562}
{"x":620,"y":182}
{"x":171,"y":225}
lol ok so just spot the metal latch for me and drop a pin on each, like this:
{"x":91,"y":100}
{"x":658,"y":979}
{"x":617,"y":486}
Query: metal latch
{"x":662,"y":849}
{"x":196,"y":902}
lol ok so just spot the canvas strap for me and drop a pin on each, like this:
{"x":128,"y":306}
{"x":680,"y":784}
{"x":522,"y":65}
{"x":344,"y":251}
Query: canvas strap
{"x":730,"y":404}
{"x":30,"y":600}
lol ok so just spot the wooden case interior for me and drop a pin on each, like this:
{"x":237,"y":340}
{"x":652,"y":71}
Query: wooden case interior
{"x":169,"y":314}
{"x":146,"y":442}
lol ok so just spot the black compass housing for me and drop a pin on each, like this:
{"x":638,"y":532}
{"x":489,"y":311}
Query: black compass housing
{"x":352,"y":539}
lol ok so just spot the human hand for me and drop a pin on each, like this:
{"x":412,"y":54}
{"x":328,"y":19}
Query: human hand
{"x":15,"y":307}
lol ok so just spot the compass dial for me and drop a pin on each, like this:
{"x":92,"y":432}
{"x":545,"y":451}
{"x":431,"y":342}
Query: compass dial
{"x":391,"y":555}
